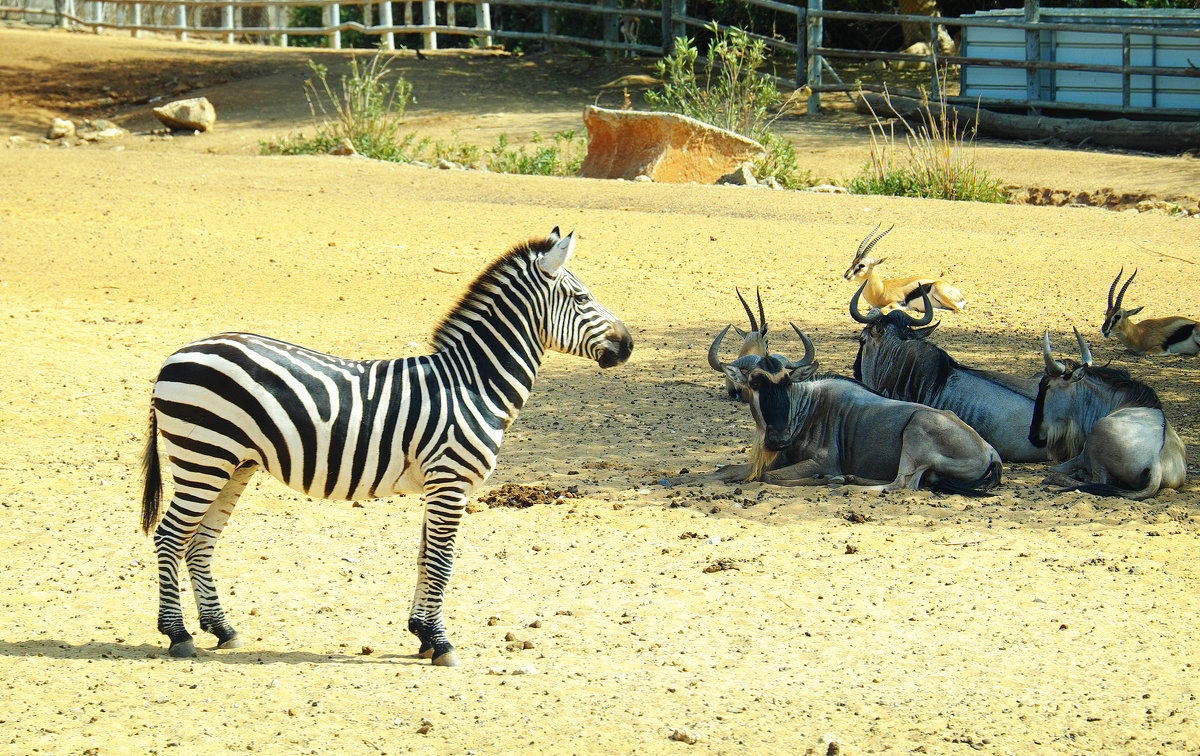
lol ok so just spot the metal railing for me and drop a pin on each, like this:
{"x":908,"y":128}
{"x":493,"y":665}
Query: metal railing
{"x":797,"y":33}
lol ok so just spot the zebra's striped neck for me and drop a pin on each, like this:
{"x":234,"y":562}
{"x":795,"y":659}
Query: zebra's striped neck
{"x":493,"y":334}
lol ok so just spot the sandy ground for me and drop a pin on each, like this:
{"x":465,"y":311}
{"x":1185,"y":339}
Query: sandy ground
{"x":1026,"y":622}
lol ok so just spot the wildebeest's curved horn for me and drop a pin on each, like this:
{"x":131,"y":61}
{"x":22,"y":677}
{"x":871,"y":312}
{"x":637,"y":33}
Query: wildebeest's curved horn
{"x":854,"y":313}
{"x":714,"y":361}
{"x":809,"y":352}
{"x":762,"y":316}
{"x":1121,"y":296}
{"x":927,"y":316}
{"x":746,"y":307}
{"x":1085,"y":354}
{"x":1054,"y":368}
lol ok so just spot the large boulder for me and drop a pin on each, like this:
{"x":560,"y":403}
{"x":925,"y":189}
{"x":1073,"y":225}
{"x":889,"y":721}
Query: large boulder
{"x":664,"y":147}
{"x":195,"y":114}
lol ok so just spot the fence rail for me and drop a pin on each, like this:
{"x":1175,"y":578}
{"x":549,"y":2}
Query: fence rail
{"x":801,"y":39}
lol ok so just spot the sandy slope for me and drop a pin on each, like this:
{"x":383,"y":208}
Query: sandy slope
{"x":1027,"y":622}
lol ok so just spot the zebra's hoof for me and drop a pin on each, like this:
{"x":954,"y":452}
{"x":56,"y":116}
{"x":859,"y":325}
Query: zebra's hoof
{"x":233,"y":642}
{"x":448,"y":659}
{"x":426,"y":653}
{"x":183,"y":649}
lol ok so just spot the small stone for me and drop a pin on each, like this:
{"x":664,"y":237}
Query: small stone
{"x":195,"y":114}
{"x":528,"y":669}
{"x":510,"y":636}
{"x":60,"y":128}
{"x":424,"y":727}
{"x":741,"y":176}
{"x":684,"y":735}
{"x":344,"y":147}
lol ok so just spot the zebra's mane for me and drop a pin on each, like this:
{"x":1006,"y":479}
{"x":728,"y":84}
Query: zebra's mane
{"x":483,"y":289}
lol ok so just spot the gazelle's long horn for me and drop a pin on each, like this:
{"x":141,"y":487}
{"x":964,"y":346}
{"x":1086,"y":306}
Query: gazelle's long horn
{"x":872,"y":238}
{"x":1054,"y":368}
{"x":1113,"y":287}
{"x":762,"y":316}
{"x":746,"y":307}
{"x":809,"y":352}
{"x":854,"y":313}
{"x":1085,"y":354}
{"x":1121,"y":296}
{"x":714,"y":361}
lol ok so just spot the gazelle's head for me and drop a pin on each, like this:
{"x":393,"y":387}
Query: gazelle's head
{"x":1115,"y":318}
{"x":862,"y":265}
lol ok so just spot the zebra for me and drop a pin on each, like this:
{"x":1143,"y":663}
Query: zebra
{"x":344,"y":429}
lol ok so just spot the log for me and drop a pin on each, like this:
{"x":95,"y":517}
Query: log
{"x":1152,"y":136}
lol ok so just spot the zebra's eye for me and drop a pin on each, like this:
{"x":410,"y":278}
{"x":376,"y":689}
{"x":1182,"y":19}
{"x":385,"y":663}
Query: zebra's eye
{"x":582,"y":298}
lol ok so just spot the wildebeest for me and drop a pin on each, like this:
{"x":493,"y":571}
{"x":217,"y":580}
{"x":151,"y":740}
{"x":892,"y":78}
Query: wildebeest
{"x":754,"y":341}
{"x":895,"y":359}
{"x":811,"y":429}
{"x":1109,"y":428}
{"x":1150,"y":336}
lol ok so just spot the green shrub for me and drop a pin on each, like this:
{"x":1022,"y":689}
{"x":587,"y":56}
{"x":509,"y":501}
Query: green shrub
{"x":939,"y":161}
{"x":730,"y":94}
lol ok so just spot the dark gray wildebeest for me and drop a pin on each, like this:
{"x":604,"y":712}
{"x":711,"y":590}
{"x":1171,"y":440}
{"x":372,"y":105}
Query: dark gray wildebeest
{"x":812,"y":430}
{"x":895,"y":360}
{"x":1109,"y":428}
{"x":754,"y":341}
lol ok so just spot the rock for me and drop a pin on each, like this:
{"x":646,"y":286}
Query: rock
{"x":60,"y":128}
{"x":684,"y":735}
{"x":743,"y":176}
{"x":828,"y":189}
{"x":662,"y":147}
{"x":94,"y":131}
{"x":344,"y":147}
{"x":195,"y":114}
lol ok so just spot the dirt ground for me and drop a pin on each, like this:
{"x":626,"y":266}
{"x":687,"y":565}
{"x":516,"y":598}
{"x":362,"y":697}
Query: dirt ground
{"x":759,"y":619}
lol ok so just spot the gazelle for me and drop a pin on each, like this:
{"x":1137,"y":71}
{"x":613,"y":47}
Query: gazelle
{"x":902,"y":293}
{"x":1150,"y":336}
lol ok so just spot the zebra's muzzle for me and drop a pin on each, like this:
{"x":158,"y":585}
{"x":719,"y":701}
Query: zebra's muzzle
{"x":617,"y":349}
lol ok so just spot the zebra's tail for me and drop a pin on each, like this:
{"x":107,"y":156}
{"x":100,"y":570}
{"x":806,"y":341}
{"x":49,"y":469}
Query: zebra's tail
{"x":151,"y":477}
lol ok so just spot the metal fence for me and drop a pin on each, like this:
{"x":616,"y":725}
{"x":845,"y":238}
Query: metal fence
{"x":630,"y":27}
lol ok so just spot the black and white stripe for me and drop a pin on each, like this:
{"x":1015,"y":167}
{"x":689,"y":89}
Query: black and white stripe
{"x":355,"y":429}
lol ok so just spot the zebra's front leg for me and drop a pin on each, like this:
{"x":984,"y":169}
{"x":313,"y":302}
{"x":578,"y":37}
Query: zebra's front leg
{"x":199,"y":556}
{"x":444,"y":508}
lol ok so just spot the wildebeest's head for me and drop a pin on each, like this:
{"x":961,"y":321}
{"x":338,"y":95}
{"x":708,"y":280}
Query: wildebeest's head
{"x":878,"y":327}
{"x":766,"y":380}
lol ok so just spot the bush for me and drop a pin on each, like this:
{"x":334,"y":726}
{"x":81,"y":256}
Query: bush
{"x":940,"y":161}
{"x":731,"y":95}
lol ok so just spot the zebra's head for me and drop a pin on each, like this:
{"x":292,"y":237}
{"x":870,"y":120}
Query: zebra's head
{"x":575,"y":322}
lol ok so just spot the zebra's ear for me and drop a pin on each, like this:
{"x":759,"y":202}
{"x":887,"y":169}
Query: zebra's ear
{"x":554,"y":235}
{"x":556,"y":257}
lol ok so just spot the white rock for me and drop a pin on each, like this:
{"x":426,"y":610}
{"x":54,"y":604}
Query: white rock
{"x":196,"y":114}
{"x":684,"y":735}
{"x":60,"y":128}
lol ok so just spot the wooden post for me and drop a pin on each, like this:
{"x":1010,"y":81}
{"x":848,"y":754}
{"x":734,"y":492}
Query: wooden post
{"x":136,"y":21}
{"x":483,"y":21}
{"x":181,"y":21}
{"x":1033,"y":52}
{"x":227,"y":23}
{"x":385,"y":19}
{"x":429,"y":18}
{"x":816,"y":32}
{"x":1125,"y":55}
{"x":668,"y":42}
{"x":611,"y":24}
{"x":333,"y":17}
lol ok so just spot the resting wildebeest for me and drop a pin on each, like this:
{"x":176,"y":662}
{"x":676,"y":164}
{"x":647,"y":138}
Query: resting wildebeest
{"x":895,"y":360}
{"x":1109,"y":427}
{"x":810,"y":429}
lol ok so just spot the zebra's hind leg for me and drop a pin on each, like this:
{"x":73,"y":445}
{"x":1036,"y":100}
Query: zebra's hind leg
{"x":199,"y":558}
{"x":444,"y":509}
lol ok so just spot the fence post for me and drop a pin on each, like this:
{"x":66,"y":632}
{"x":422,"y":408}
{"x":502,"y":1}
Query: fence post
{"x":668,"y":42}
{"x":181,"y":21}
{"x":1033,"y":52}
{"x":483,"y":20}
{"x":816,"y":32}
{"x":333,"y":17}
{"x":385,"y":19}
{"x":227,"y":23}
{"x":429,"y":18}
{"x":611,"y":22}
